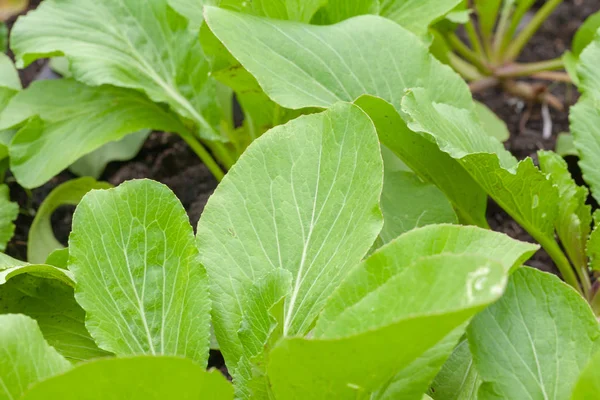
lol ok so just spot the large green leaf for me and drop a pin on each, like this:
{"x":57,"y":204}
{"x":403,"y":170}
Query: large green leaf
{"x":10,"y":83}
{"x":588,"y":384}
{"x":574,"y":221}
{"x":396,"y":320}
{"x":316,"y":66}
{"x":547,"y":333}
{"x":94,"y":163}
{"x":303,"y":198}
{"x":192,"y":9}
{"x":339,"y":10}
{"x":293,"y":10}
{"x":26,"y":357}
{"x":41,"y":241}
{"x":8,"y":213}
{"x":138,"y":277}
{"x":458,"y":379}
{"x":64,"y":120}
{"x":135,"y":378}
{"x":10,"y":267}
{"x":149,"y":48}
{"x":418,"y":243}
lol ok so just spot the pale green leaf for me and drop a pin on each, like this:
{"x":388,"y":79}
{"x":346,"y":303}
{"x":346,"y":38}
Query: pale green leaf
{"x":492,"y":124}
{"x":26,"y":357}
{"x":416,"y":15}
{"x":426,"y":160}
{"x":59,"y":258}
{"x":422,"y":242}
{"x":292,"y":10}
{"x":593,"y":248}
{"x":135,"y":378}
{"x":65,"y":120}
{"x":588,"y":384}
{"x":407,"y":202}
{"x":546,"y":332}
{"x":52,"y":304}
{"x":574,"y":220}
{"x":398,"y":321}
{"x":139,"y":280}
{"x":585,"y":34}
{"x":316,"y":66}
{"x":10,"y":84}
{"x":339,"y":10}
{"x":10,"y":267}
{"x":41,"y":241}
{"x":458,"y":379}
{"x":94,"y":163}
{"x":303,"y":198}
{"x":8,"y":213}
{"x":585,"y":117}
{"x":192,"y":9}
{"x":487,"y":12}
{"x":118,"y":42}
{"x":565,"y":145}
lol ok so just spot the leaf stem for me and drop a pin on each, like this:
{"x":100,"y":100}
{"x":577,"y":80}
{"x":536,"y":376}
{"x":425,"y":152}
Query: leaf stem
{"x":204,"y":155}
{"x":474,"y":39}
{"x":467,"y":70}
{"x":514,"y":49}
{"x":501,"y":31}
{"x":561,"y":261}
{"x":468,"y":54}
{"x":515,"y":69}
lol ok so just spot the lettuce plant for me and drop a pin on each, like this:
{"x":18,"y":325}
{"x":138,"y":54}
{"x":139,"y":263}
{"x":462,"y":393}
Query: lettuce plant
{"x":302,"y":306}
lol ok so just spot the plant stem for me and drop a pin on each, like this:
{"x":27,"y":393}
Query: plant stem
{"x":514,"y":49}
{"x":474,"y":39}
{"x":204,"y":155}
{"x":553,"y":76}
{"x":467,"y":70}
{"x":561,"y":261}
{"x":501,"y":31}
{"x":482,"y":84}
{"x":467,"y":53}
{"x":515,"y":69}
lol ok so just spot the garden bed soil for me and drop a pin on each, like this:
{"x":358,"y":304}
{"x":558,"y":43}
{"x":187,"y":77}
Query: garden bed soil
{"x":167,"y":159}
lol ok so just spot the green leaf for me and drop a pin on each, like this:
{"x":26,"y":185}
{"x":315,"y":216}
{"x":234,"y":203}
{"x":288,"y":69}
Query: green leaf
{"x":585,"y":34}
{"x":487,"y":12}
{"x":317,"y":66}
{"x":26,"y":357}
{"x":574,"y":220}
{"x":492,"y":124}
{"x":593,"y":248}
{"x":565,"y":145}
{"x":407,"y":202}
{"x":8,"y":213}
{"x":292,"y":10}
{"x":547,"y":333}
{"x":52,"y":304}
{"x":10,"y":267}
{"x":94,"y":163}
{"x":397,"y":320}
{"x":10,"y":83}
{"x":303,"y":198}
{"x":416,"y":15}
{"x":133,"y":254}
{"x":136,"y":378}
{"x":458,"y":379}
{"x":387,"y":265}
{"x":584,"y":117}
{"x":339,"y":10}
{"x":150,"y":49}
{"x":588,"y":384}
{"x":64,"y":120}
{"x":192,"y":9}
{"x":41,"y":241}
{"x":426,"y":160}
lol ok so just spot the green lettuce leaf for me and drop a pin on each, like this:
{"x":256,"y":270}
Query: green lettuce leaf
{"x":8,"y":213}
{"x":547,"y":333}
{"x":584,"y":117}
{"x":62,"y":120}
{"x":135,"y":378}
{"x":151,"y":49}
{"x":293,"y":10}
{"x":303,"y":199}
{"x":133,"y":255}
{"x":41,"y":241}
{"x":416,"y":15}
{"x":396,"y":320}
{"x":458,"y":379}
{"x":588,"y":384}
{"x":26,"y":357}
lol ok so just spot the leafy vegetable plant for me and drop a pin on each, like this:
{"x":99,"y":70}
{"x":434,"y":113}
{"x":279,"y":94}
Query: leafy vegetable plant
{"x":345,"y":254}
